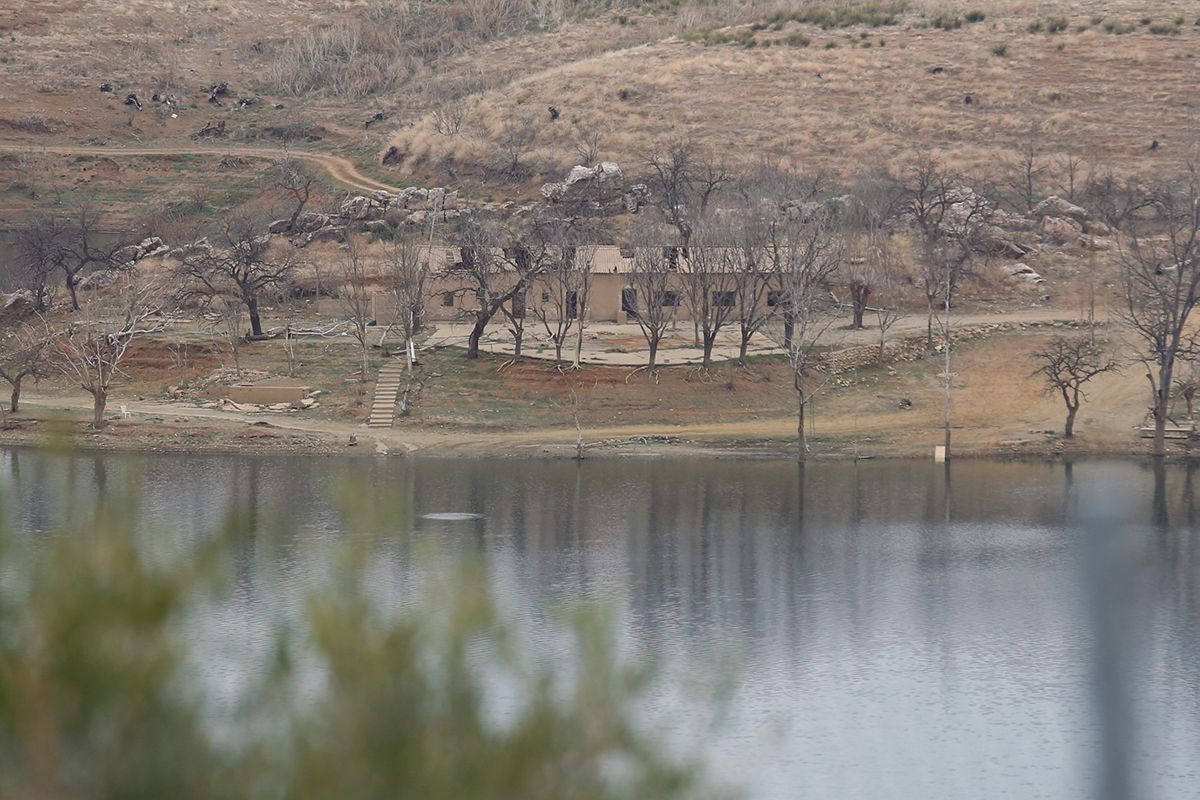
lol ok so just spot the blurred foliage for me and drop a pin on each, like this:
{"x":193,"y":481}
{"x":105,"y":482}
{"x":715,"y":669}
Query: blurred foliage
{"x":438,"y":701}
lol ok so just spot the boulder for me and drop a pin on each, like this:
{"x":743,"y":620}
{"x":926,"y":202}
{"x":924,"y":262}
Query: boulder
{"x":375,"y":226}
{"x":279,"y":226}
{"x":1057,"y":207}
{"x":579,"y":174}
{"x":1097,"y":228}
{"x":1094,"y":243}
{"x":636,"y":197}
{"x":1061,"y":230}
{"x":201,"y":245}
{"x":311,"y":221}
{"x":355,"y":207}
{"x":609,"y":171}
{"x":1000,"y":242}
{"x":554,"y":192}
{"x":127,"y":254}
{"x":1024,"y":272}
{"x":17,"y":304}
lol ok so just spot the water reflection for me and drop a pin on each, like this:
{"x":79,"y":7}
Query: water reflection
{"x":898,"y":629}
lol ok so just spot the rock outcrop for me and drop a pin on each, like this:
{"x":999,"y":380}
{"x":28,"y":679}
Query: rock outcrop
{"x":602,"y":187}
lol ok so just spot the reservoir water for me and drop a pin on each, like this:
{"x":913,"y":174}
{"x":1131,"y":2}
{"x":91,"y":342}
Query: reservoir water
{"x":885,"y":629}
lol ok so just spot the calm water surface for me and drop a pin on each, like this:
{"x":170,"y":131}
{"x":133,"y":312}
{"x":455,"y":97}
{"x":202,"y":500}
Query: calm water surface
{"x":891,"y":631}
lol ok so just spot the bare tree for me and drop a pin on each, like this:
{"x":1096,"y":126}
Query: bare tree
{"x":294,"y":180}
{"x":92,"y":345}
{"x":1070,"y":164}
{"x":1187,"y":386}
{"x":22,"y":355}
{"x":36,"y":258}
{"x":567,"y":284}
{"x":1066,"y":365}
{"x":242,"y":263}
{"x":448,"y":116}
{"x":683,"y":185}
{"x":287,"y":301}
{"x":649,"y":298}
{"x":1116,"y":201}
{"x":1026,"y":171}
{"x":1160,"y":262}
{"x":227,"y":312}
{"x":515,"y":311}
{"x":949,"y":219}
{"x":586,"y":143}
{"x":77,"y":242}
{"x":497,"y":274}
{"x":757,"y":285}
{"x":406,"y":271}
{"x":871,"y":262}
{"x":514,"y":142}
{"x":710,"y":280}
{"x":583,"y":264}
{"x":357,"y":301}
{"x":885,"y":318}
{"x":810,"y":256}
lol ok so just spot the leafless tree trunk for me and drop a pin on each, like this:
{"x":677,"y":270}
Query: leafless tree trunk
{"x":885,"y":318}
{"x":1067,"y":365}
{"x":22,"y":355}
{"x":710,"y":283}
{"x":812,"y":255}
{"x":561,"y":309}
{"x":656,"y":303}
{"x":1161,"y":279}
{"x":292,"y":178}
{"x":498,"y":274}
{"x":244,"y":262}
{"x":408,"y":267}
{"x":357,"y":301}
{"x":91,"y":347}
{"x":229,"y":312}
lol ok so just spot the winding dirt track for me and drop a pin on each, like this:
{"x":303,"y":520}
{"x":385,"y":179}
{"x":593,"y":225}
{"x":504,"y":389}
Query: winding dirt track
{"x":339,"y":169}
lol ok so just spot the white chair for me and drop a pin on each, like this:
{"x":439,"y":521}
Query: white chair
{"x":125,"y":412}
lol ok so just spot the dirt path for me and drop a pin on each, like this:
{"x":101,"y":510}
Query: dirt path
{"x":676,"y":349}
{"x":341,"y":170}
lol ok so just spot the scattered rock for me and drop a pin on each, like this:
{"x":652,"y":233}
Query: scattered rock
{"x":1094,"y":243}
{"x":232,"y":162}
{"x":378,"y":116}
{"x":1025,"y":273}
{"x":217,"y":91}
{"x":1057,"y":207}
{"x":211,"y":130}
{"x":107,"y":88}
{"x":1061,"y":230}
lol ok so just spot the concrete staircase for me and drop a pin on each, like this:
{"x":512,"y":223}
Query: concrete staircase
{"x":383,"y":407}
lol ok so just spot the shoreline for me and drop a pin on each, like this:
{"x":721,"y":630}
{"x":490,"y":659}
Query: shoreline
{"x":206,"y":436}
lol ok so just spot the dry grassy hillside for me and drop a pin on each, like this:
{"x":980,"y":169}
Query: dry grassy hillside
{"x":464,"y":89}
{"x":830,"y":99}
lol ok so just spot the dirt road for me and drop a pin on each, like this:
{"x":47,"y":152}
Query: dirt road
{"x":339,"y":169}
